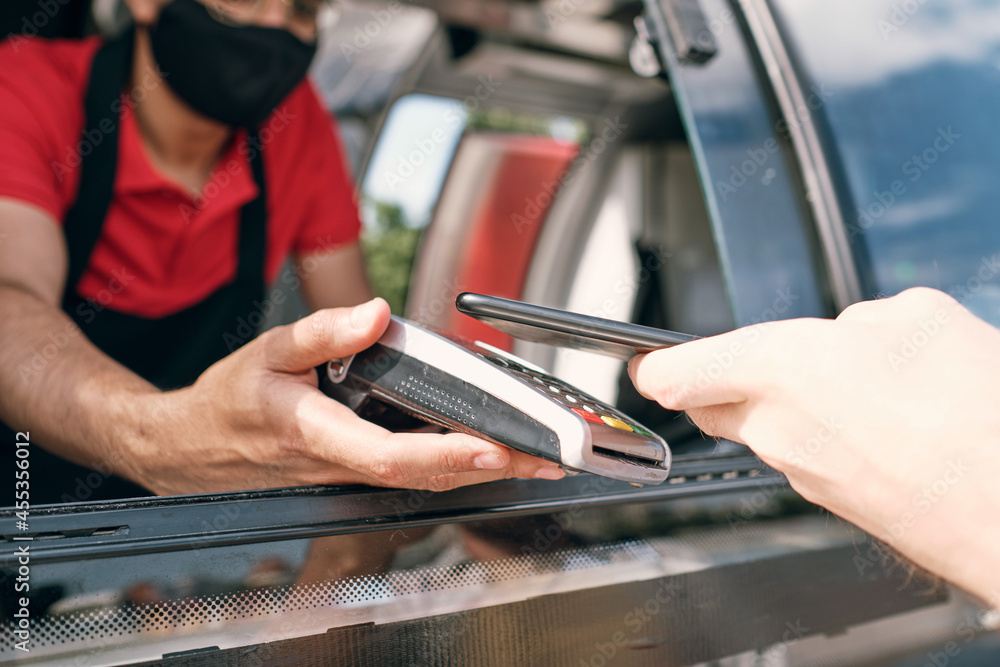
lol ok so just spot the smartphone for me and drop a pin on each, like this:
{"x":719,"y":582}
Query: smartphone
{"x":538,"y":324}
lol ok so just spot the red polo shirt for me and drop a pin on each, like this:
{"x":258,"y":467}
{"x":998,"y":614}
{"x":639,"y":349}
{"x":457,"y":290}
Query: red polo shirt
{"x":169,"y":248}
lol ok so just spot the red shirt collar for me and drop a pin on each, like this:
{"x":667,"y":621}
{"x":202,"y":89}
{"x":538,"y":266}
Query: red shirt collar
{"x":229,"y":186}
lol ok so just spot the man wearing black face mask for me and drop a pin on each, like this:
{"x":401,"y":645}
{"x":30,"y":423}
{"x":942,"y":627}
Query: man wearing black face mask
{"x":150,"y":188}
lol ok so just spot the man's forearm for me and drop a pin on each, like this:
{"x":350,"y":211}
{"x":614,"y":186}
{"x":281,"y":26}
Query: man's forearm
{"x":334,"y":278}
{"x":75,"y":400}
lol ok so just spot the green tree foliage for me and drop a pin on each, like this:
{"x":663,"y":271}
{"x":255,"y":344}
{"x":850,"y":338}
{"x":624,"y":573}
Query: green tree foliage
{"x":390,"y":247}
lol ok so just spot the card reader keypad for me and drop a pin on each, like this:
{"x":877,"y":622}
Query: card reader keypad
{"x":589,"y":408}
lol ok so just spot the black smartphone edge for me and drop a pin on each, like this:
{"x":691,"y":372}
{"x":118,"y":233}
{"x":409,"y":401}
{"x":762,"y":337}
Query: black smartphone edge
{"x":549,"y":325}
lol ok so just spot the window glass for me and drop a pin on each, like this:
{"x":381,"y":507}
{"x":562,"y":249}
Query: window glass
{"x":407,"y":172}
{"x":912,"y":92}
{"x":749,"y":177}
{"x":401,"y":186}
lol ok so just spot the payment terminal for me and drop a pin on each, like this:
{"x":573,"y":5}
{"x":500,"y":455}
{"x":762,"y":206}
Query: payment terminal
{"x":415,"y":375}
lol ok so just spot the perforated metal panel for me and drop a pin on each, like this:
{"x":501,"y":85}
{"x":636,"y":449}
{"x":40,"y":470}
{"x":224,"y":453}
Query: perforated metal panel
{"x":265,"y":613}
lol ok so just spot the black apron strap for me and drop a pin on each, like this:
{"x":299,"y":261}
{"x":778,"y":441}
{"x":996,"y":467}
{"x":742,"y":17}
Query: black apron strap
{"x":98,"y":150}
{"x":252,"y":247}
{"x":99,"y":163}
{"x":171,"y":351}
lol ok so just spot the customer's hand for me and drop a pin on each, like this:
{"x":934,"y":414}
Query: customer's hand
{"x":256,"y":419}
{"x":889,"y":416}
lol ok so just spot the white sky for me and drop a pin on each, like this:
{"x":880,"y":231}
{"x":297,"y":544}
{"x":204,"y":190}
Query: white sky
{"x":409,"y":138}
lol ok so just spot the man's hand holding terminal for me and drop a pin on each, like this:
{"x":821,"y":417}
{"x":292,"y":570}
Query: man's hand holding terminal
{"x":256,"y":419}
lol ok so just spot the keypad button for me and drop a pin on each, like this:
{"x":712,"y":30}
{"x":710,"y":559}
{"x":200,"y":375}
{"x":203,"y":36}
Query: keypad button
{"x":614,"y":422}
{"x":589,"y":416}
{"x":642,"y":431}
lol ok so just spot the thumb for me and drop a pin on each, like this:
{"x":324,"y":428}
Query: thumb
{"x":324,"y":335}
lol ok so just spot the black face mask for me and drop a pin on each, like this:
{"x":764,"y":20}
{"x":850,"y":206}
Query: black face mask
{"x":236,"y":75}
